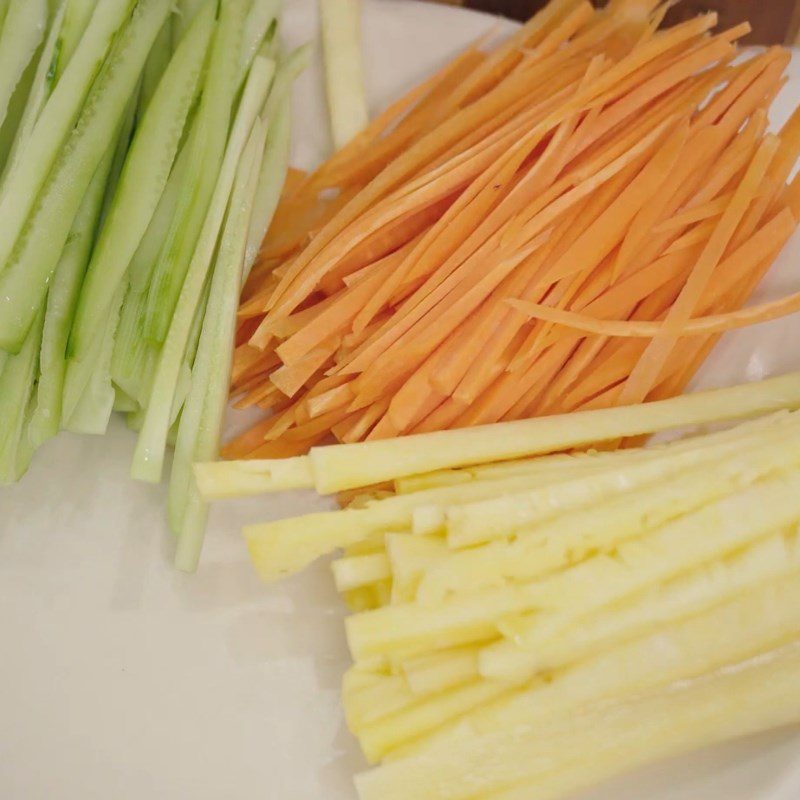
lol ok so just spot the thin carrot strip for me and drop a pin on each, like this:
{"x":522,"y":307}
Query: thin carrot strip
{"x":647,"y":369}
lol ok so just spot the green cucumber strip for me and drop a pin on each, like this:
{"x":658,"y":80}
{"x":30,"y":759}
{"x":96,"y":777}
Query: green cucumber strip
{"x":146,"y":255}
{"x":270,"y":184}
{"x":185,"y":12}
{"x":142,"y":182}
{"x":24,"y":181}
{"x":24,"y":283}
{"x":260,"y":22}
{"x":213,"y":121}
{"x":120,"y":154}
{"x":23,"y":30}
{"x":3,"y":10}
{"x":62,"y":298}
{"x":134,"y":421}
{"x":19,"y":378}
{"x":134,"y":359}
{"x":289,"y":69}
{"x":344,"y":68}
{"x":76,"y":22}
{"x":203,"y":413}
{"x":16,"y":110}
{"x":149,"y":456}
{"x":124,"y":403}
{"x":156,"y":65}
{"x":43,"y":82}
{"x":92,"y":411}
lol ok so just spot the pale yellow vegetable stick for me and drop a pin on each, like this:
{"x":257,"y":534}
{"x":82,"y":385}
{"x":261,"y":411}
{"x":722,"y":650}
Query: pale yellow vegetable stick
{"x":572,"y":537}
{"x":370,"y":703}
{"x":285,"y":546}
{"x":343,"y":467}
{"x":352,"y":466}
{"x":409,"y":557}
{"x":677,"y":547}
{"x":761,"y":696}
{"x":441,"y":671}
{"x":501,"y":747}
{"x":693,"y":593}
{"x":487,"y":520}
{"x":603,"y":581}
{"x":354,"y":572}
{"x":378,"y":739}
{"x":564,"y":465}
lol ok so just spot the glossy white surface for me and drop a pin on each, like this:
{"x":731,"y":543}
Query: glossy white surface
{"x":122,"y":680}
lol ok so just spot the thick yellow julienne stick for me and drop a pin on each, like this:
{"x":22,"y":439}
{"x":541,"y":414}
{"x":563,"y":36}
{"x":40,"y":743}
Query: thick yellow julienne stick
{"x":678,"y":652}
{"x":726,"y":526}
{"x":600,"y":528}
{"x":354,"y":572}
{"x":561,"y":464}
{"x":285,"y":546}
{"x":504,"y":514}
{"x":341,"y":467}
{"x":762,"y":564}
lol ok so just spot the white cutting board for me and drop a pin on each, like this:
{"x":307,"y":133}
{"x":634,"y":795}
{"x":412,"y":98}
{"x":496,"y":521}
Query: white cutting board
{"x":123,"y":680}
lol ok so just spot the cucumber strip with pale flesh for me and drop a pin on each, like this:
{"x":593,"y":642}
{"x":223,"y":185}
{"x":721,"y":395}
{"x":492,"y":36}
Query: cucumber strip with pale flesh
{"x":203,"y":413}
{"x":149,"y":456}
{"x":61,"y":300}
{"x":146,"y":255}
{"x":133,"y":362}
{"x":344,"y":69}
{"x":156,"y":65}
{"x":185,"y":12}
{"x":23,"y":183}
{"x":260,"y":22}
{"x":142,"y":182}
{"x":43,"y":82}
{"x":16,"y":391}
{"x":270,"y":184}
{"x":92,"y":411}
{"x":76,"y":22}
{"x":24,"y":283}
{"x":23,"y":31}
{"x":213,"y":121}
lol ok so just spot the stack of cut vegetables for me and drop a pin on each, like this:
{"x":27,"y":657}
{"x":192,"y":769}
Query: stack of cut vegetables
{"x":144,"y":149}
{"x":567,"y":221}
{"x":526,"y":627}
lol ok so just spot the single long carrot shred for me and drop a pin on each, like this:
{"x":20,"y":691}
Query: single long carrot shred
{"x":567,"y":220}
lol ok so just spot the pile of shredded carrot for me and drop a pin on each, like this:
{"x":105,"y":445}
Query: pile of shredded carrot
{"x":568,"y":221}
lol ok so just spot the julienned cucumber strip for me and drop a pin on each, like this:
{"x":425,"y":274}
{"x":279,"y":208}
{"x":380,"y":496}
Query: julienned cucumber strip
{"x":185,"y":12}
{"x":260,"y":21}
{"x":120,"y":154}
{"x":273,"y":176}
{"x":133,"y":363}
{"x":213,"y":124}
{"x":78,"y":15}
{"x":149,"y":456}
{"x":61,"y":299}
{"x":79,"y":373}
{"x":92,"y":412}
{"x":22,"y":184}
{"x":288,"y":71}
{"x":24,"y":283}
{"x":16,"y":390}
{"x":146,"y":255}
{"x":16,"y":110}
{"x":43,"y":82}
{"x":142,"y":182}
{"x":156,"y":65}
{"x":23,"y":30}
{"x":201,"y":422}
